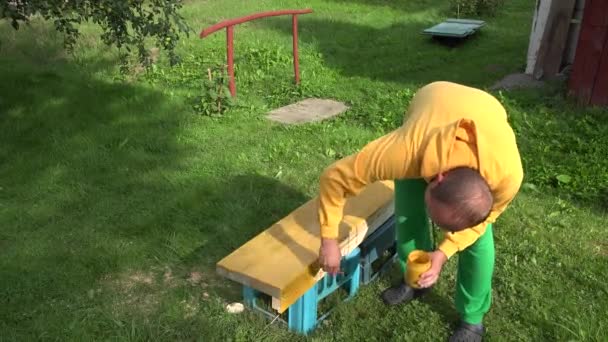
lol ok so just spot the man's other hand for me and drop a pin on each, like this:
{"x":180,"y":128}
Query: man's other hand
{"x":429,"y":278}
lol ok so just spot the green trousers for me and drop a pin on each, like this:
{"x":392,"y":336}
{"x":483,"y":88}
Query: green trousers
{"x":475,"y":264}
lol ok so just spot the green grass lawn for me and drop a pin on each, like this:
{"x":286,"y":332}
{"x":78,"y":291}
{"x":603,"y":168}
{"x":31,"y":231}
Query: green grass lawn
{"x":117,"y":200}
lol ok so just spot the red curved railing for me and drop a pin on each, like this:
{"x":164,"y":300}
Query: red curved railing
{"x":236,"y":21}
{"x":229,"y":25}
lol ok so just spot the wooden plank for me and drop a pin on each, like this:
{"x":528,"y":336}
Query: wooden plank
{"x":539,"y":22}
{"x":587,"y":59}
{"x":598,"y":14}
{"x":297,"y":288}
{"x":282,"y":261}
{"x":555,"y":36}
{"x":575,"y":31}
{"x":600,"y":88}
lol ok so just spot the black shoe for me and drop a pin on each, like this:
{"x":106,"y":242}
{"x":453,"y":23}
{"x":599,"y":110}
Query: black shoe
{"x":401,"y":294}
{"x":468,"y":333}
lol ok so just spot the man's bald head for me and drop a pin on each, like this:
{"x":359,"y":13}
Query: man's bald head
{"x":459,"y":199}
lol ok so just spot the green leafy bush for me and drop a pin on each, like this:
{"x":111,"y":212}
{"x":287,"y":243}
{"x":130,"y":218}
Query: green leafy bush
{"x":124,"y":24}
{"x":216,"y":98}
{"x":475,"y":7}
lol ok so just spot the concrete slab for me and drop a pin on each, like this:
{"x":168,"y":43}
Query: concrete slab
{"x":308,"y":110}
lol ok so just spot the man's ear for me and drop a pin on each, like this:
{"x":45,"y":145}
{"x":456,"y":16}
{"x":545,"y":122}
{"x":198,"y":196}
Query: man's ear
{"x":440,"y":177}
{"x":436,"y":180}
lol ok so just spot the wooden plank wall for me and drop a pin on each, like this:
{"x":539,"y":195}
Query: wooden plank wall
{"x":589,"y":79}
{"x":553,"y":43}
{"x":599,"y":96}
{"x":551,"y":36}
{"x":539,"y":21}
{"x":575,"y":31}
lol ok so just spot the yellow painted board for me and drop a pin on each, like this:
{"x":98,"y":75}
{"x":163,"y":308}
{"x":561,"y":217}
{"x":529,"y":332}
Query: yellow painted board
{"x":282,"y":261}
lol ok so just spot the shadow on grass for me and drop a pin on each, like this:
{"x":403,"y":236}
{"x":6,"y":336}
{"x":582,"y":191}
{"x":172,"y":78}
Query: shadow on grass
{"x":101,"y":181}
{"x":442,"y":305}
{"x":403,"y":5}
{"x":401,"y":53}
{"x":102,"y":184}
{"x":75,"y":155}
{"x":573,"y":321}
{"x":437,"y":299}
{"x":246,"y":205}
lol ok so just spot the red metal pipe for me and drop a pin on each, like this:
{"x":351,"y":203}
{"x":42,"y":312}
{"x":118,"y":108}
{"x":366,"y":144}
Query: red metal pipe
{"x":236,"y":21}
{"x":229,"y":25}
{"x":230,"y":53}
{"x":296,"y":62}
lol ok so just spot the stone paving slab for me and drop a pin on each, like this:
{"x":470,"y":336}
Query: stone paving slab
{"x":308,"y":110}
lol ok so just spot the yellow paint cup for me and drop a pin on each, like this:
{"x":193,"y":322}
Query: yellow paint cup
{"x":418,"y":262}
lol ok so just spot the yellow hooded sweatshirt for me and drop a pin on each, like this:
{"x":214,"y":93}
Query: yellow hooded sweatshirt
{"x":447,"y":125}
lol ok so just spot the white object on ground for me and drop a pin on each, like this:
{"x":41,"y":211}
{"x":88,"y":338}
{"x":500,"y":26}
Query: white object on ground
{"x":235,"y":308}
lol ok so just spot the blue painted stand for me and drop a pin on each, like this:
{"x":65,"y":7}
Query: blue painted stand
{"x":302,"y":315}
{"x":374,"y":247}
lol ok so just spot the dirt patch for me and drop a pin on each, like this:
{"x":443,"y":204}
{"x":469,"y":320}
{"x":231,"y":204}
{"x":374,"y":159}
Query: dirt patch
{"x":144,"y":292}
{"x":127,"y":282}
{"x":141,"y":278}
{"x":168,"y":278}
{"x":195,"y":278}
{"x":143,"y":303}
{"x":190,"y":307}
{"x":602,"y":248}
{"x":135,"y":291}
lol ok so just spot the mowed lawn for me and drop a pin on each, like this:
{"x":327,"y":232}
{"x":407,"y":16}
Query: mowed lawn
{"x":117,"y":199}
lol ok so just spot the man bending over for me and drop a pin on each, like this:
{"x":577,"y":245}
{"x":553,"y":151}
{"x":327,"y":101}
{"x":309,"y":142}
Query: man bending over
{"x":454,"y":160}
